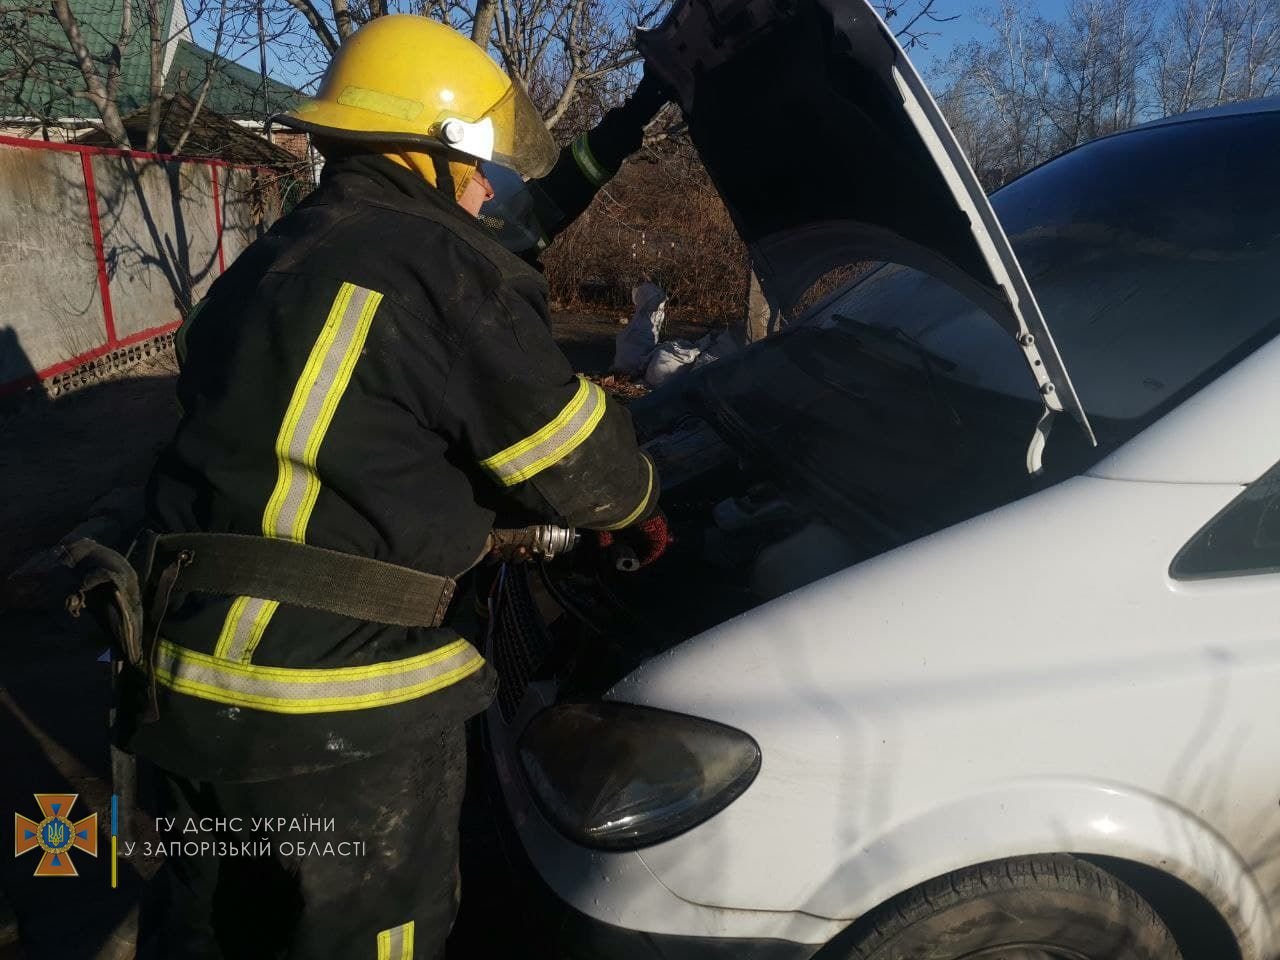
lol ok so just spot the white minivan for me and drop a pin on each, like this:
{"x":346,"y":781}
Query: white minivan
{"x":921,"y":678}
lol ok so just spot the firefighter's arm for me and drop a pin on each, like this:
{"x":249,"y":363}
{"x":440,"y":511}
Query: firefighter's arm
{"x":593,"y":158}
{"x":549,"y":442}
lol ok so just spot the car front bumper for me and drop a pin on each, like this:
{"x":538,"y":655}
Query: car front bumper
{"x":585,"y":938}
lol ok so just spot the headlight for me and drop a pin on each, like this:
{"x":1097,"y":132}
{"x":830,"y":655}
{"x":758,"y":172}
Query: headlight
{"x":617,"y":776}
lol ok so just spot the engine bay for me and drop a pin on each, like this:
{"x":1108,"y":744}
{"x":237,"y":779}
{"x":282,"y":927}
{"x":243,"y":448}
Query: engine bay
{"x":739,"y":541}
{"x":814,"y":451}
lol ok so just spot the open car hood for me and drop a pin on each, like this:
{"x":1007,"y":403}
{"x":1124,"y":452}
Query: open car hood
{"x":828,"y":149}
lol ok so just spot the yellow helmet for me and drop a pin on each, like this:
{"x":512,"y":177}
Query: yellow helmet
{"x":407,"y":80}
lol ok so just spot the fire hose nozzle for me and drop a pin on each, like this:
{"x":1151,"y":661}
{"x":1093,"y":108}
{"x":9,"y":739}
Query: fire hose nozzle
{"x":542,"y":542}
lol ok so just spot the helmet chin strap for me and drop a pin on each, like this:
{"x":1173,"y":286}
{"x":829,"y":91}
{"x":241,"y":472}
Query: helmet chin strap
{"x":444,"y":177}
{"x":449,"y":176}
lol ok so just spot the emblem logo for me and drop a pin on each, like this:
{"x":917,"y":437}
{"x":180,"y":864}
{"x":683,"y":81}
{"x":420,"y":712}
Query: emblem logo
{"x":56,"y":834}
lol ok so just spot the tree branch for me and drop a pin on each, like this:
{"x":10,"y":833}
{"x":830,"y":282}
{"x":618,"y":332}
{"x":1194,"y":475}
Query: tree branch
{"x":96,"y":91}
{"x":207,"y":82}
{"x":317,"y":23}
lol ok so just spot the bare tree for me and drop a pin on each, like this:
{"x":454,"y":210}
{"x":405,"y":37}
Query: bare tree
{"x":997,"y":91}
{"x":1183,"y":54}
{"x":911,"y":20}
{"x":1217,"y":51}
{"x":52,"y":58}
{"x":1094,"y":54}
{"x":1033,"y":86}
{"x":100,"y":90}
{"x":206,"y":82}
{"x":1259,"y":51}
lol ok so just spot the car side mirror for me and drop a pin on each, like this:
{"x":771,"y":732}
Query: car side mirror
{"x":1243,"y":539}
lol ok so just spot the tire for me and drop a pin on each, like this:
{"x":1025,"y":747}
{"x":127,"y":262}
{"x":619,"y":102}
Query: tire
{"x":1053,"y":906}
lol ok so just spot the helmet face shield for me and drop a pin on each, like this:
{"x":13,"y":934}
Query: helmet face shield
{"x":521,"y":140}
{"x":512,"y":212}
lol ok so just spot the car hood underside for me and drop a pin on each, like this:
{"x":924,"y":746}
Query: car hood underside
{"x":828,"y":150}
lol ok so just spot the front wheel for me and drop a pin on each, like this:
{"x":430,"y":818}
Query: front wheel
{"x":1052,"y":907}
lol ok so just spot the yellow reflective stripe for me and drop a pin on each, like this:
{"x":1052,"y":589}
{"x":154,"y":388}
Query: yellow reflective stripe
{"x":315,"y":399}
{"x":258,"y":626}
{"x":313,"y":690}
{"x":644,"y":501}
{"x":587,"y":162}
{"x":546,"y":433}
{"x":396,"y":943}
{"x":552,"y":443}
{"x":378,"y":101}
{"x":230,"y":627}
{"x":319,"y":389}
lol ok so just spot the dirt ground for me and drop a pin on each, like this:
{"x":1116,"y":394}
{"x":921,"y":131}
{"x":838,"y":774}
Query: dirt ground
{"x":58,"y":458}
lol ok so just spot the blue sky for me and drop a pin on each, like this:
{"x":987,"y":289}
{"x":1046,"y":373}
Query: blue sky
{"x":967,"y":27}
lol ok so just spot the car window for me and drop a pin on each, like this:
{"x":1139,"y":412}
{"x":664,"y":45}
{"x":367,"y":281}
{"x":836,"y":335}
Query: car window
{"x":1153,"y":254}
{"x":1243,"y":539}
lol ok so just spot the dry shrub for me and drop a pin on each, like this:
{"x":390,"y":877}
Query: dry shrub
{"x":660,"y":219}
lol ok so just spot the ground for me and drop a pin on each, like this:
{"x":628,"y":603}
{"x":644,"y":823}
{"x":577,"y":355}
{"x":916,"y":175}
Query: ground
{"x":58,"y":460}
{"x":58,"y":457}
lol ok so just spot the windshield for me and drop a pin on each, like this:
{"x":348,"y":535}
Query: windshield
{"x":1154,"y":257}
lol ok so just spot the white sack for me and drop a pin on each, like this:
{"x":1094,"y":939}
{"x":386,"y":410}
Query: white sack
{"x":633,"y":345}
{"x":668,"y":360}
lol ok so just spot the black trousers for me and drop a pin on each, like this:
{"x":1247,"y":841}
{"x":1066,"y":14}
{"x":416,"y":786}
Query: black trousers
{"x":384,"y":888}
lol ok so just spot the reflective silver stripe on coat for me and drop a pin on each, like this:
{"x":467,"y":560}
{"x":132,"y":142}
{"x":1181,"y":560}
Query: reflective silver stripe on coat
{"x":313,"y":690}
{"x":315,"y":400}
{"x":396,"y":943}
{"x":246,"y":622}
{"x":555,"y":441}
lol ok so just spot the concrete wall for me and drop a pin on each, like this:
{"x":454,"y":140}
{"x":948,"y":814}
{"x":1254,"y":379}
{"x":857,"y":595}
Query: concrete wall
{"x":50,"y":307}
{"x":159,"y":237}
{"x":240,"y":223}
{"x":157,"y":249}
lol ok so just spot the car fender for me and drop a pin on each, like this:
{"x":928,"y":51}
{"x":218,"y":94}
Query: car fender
{"x":1053,"y":816}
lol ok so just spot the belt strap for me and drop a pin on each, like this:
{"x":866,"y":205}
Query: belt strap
{"x":304,"y":576}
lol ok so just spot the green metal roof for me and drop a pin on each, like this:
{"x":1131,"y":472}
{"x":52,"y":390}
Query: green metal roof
{"x":235,"y":91}
{"x":39,"y":75}
{"x":38,"y":78}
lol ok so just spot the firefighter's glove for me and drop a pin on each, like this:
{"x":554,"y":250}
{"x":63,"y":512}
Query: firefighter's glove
{"x":637,"y":546}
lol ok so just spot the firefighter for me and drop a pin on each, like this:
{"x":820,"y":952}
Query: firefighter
{"x":363,"y":391}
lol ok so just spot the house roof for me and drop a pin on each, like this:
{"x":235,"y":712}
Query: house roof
{"x":37,"y":74}
{"x":211,"y":135}
{"x":38,"y":79}
{"x":234,"y":91}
